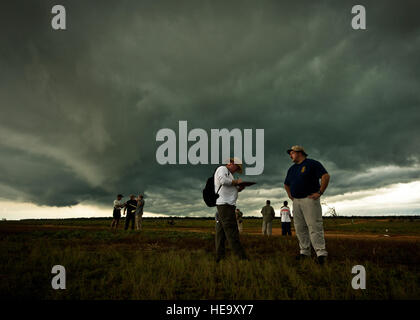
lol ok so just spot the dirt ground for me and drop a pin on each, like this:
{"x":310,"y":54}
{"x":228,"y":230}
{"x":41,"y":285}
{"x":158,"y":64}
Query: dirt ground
{"x":250,"y":231}
{"x":332,"y":234}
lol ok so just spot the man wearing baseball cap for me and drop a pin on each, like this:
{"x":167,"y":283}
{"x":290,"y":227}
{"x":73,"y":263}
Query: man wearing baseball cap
{"x":226,"y":227}
{"x":304,"y":189}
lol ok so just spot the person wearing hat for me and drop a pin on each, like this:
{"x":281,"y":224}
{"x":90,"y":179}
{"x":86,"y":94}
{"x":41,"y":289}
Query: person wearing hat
{"x":226,"y":228}
{"x":304,"y":189}
{"x":130,"y":207}
{"x":118,"y":205}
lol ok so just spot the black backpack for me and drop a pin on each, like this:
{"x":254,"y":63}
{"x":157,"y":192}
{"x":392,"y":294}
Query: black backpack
{"x":209,"y":196}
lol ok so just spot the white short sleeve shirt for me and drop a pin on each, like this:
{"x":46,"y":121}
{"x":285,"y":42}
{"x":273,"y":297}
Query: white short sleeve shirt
{"x":285,"y":214}
{"x":118,"y":204}
{"x":228,"y":194}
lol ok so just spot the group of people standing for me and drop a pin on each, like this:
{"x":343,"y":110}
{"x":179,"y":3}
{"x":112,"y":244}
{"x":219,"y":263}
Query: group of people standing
{"x":269,"y":214}
{"x":133,"y":208}
{"x":305,"y":182}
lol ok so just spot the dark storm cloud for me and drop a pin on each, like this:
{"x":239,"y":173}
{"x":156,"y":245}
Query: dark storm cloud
{"x":80,"y":108}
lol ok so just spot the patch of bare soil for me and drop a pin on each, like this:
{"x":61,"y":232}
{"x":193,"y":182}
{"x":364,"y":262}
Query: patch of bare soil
{"x":332,"y":234}
{"x":12,"y":228}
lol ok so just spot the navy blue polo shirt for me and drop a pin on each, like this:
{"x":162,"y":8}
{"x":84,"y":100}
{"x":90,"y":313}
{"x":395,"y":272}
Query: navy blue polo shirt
{"x":303,"y":178}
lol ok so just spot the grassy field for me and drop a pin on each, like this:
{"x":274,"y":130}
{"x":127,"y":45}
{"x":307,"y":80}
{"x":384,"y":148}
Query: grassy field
{"x":177,"y":261}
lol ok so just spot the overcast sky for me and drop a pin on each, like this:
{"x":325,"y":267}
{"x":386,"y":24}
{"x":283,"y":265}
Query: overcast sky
{"x":80,"y":108}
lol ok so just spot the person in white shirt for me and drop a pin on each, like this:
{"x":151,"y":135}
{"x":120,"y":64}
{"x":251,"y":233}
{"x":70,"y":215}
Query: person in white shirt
{"x":285,"y":220}
{"x":118,"y":205}
{"x":226,"y":228}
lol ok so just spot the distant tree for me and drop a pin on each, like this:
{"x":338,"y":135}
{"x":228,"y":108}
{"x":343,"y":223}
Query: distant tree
{"x":331,"y":210}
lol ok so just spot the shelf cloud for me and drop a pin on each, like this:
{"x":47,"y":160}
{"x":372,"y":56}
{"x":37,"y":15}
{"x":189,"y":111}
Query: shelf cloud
{"x":80,"y":108}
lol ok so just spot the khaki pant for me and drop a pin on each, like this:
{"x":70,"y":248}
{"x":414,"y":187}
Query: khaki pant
{"x":267,"y":227}
{"x":240,"y":226}
{"x":307,"y":214}
{"x":139,"y":220}
{"x":227,"y":228}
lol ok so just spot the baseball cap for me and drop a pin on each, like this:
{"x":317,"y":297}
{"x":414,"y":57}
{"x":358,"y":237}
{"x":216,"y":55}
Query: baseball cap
{"x":236,"y":161}
{"x":297,"y":149}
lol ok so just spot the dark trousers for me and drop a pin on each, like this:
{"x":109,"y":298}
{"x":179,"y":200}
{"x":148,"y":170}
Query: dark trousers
{"x":286,"y":228}
{"x":130,"y":218}
{"x":227,"y":228}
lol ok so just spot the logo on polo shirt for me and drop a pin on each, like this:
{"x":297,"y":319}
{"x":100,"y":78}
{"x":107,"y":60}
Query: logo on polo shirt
{"x":303,"y":169}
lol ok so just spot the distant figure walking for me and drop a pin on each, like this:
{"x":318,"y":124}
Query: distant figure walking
{"x":239,"y":220}
{"x":139,"y":212}
{"x":303,"y":187}
{"x":227,"y":227}
{"x":268,"y":214}
{"x":130,"y":207}
{"x":116,"y":215}
{"x":285,"y":220}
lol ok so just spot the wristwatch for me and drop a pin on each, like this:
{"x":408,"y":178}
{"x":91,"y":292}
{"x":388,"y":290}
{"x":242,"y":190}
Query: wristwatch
{"x":320,"y":192}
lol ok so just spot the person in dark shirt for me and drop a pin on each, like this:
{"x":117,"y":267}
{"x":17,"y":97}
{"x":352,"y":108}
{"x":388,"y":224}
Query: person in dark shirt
{"x":130,"y":207}
{"x":304,"y":189}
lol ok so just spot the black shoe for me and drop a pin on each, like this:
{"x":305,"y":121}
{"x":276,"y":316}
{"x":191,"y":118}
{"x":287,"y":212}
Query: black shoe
{"x":321,"y":260}
{"x":302,"y":257}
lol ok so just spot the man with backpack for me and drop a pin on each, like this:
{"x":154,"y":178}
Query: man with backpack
{"x":227,"y":189}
